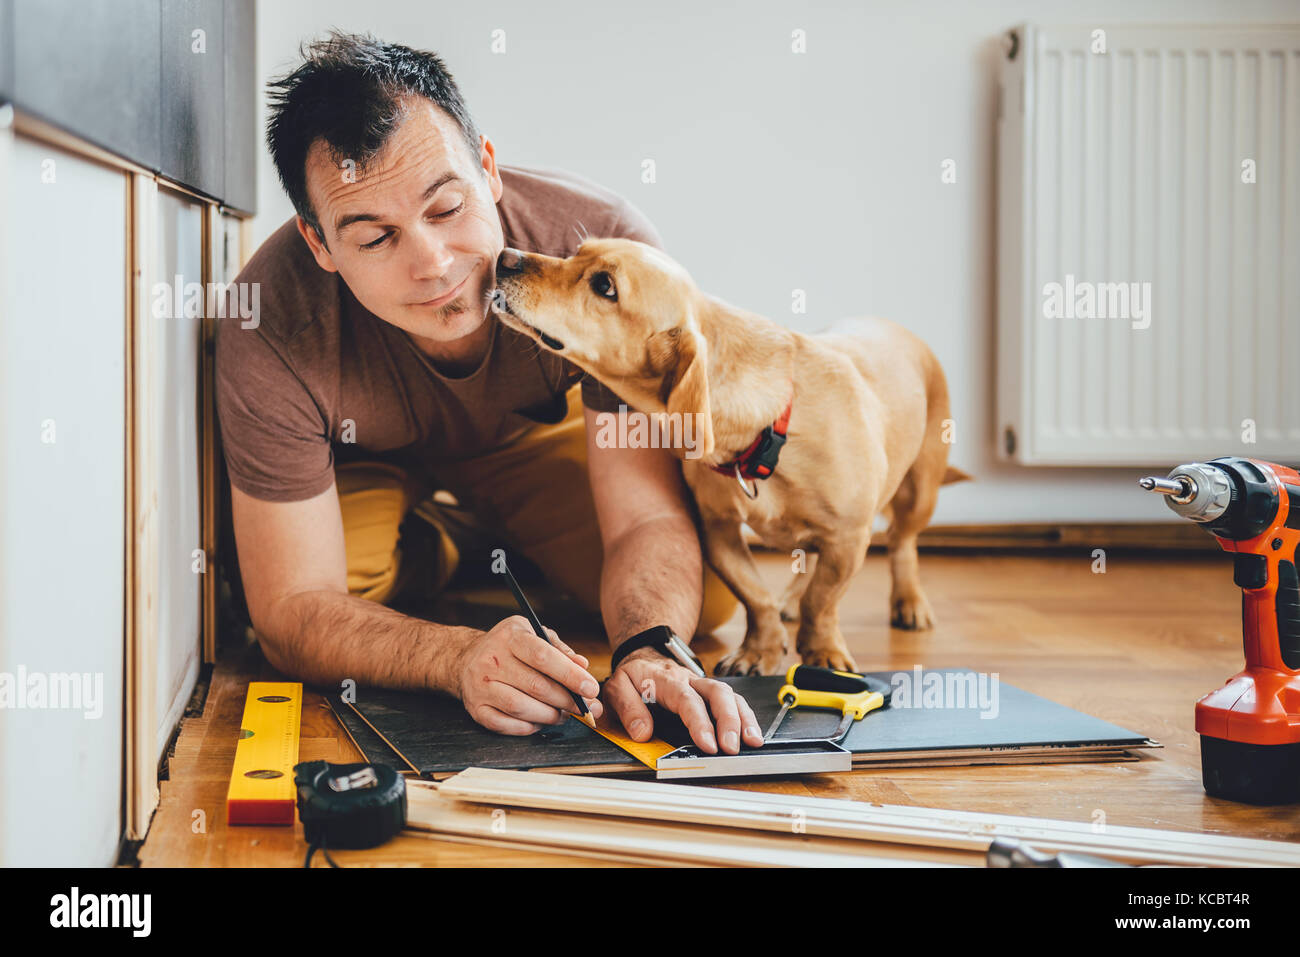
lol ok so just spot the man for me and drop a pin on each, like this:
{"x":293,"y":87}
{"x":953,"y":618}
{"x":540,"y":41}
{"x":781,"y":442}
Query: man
{"x":374,"y":341}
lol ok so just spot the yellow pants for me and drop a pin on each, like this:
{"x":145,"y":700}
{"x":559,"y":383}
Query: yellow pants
{"x":534,"y":491}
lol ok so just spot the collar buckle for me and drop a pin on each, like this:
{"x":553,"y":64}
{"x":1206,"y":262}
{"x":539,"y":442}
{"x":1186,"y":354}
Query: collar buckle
{"x":763,"y":462}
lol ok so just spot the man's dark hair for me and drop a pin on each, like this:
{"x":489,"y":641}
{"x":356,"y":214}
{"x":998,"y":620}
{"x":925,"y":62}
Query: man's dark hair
{"x":349,"y":92}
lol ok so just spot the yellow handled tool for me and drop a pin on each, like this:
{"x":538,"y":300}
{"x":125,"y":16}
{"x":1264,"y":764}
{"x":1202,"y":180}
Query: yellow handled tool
{"x":811,"y":687}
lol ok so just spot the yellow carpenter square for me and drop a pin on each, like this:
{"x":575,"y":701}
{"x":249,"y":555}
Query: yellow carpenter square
{"x":261,"y":783}
{"x":647,"y":752}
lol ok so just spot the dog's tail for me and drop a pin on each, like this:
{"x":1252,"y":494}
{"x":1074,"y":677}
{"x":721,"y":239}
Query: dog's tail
{"x":953,"y":474}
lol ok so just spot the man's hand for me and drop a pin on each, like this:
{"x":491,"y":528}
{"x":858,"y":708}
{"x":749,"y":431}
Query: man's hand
{"x":513,"y":682}
{"x":647,"y":676}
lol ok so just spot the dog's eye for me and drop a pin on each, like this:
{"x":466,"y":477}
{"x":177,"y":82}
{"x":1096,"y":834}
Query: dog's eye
{"x":603,"y":285}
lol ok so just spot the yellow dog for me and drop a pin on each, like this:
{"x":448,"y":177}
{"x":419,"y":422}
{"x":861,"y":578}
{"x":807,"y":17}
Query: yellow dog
{"x":863,"y":406}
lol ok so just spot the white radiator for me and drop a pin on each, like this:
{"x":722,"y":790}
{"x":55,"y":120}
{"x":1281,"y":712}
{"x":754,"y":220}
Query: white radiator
{"x":1149,"y":245}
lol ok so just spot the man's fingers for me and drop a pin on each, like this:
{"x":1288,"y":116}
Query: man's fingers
{"x":753,"y":734}
{"x":685,"y":702}
{"x":549,"y":660}
{"x":513,"y":702}
{"x":494,"y":720}
{"x":535,"y":684}
{"x":625,"y":699}
{"x":722,"y":702}
{"x":555,"y":639}
{"x":543,"y":687}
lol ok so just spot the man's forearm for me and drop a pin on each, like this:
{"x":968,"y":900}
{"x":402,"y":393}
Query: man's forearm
{"x":653,"y":575}
{"x":323,"y":637}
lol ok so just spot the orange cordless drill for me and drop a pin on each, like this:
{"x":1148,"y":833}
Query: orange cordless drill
{"x":1250,"y":727}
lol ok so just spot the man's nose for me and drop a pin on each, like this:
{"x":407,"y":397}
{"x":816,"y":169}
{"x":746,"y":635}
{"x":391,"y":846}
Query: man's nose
{"x":431,"y":256}
{"x":511,"y":262}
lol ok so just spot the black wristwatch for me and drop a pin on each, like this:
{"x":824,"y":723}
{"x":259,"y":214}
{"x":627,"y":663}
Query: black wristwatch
{"x":664,"y":640}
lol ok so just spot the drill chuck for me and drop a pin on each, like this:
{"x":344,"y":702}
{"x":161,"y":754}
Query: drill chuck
{"x":1234,"y":498}
{"x":1196,"y":491}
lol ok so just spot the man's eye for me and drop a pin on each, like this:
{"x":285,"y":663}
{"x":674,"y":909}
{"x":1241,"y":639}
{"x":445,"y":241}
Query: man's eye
{"x":377,"y":243}
{"x":603,"y":285}
{"x":451,"y":212}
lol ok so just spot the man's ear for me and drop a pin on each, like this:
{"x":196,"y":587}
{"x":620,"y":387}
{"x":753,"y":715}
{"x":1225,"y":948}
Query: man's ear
{"x":317,"y":246}
{"x":488,"y":158}
{"x":688,"y":389}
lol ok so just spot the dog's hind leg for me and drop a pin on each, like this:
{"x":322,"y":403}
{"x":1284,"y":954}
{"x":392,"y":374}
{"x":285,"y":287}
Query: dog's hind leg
{"x":912,"y":506}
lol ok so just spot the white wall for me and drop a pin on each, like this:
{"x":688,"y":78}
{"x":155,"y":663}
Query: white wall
{"x":779,"y":171}
{"x":62,"y":531}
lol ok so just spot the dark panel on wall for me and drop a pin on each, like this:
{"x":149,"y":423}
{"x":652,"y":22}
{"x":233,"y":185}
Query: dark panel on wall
{"x":6,"y":49}
{"x":92,"y":67}
{"x":193,"y":84}
{"x":242,"y":135}
{"x":137,"y":78}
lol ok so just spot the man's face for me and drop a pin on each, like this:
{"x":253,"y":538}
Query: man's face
{"x":415,"y":236}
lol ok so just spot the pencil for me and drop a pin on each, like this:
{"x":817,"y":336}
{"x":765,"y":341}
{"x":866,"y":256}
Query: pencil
{"x":537,"y":627}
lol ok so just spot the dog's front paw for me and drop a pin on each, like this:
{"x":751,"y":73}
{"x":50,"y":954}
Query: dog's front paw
{"x":751,"y":660}
{"x":837,"y":659}
{"x":911,"y":612}
{"x":825,"y":647}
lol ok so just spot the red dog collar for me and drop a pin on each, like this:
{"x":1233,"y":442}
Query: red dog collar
{"x":759,"y":460}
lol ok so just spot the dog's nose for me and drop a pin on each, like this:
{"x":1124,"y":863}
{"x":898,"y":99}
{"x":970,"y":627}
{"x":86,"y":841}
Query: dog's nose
{"x":510,"y":262}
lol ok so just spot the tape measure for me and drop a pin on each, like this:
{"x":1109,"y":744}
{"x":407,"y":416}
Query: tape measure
{"x":349,"y":805}
{"x":261,"y":782}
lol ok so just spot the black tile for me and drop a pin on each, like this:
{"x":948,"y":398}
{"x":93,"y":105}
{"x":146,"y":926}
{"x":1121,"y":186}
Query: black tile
{"x":192,"y":45}
{"x":243,"y":138}
{"x":92,"y":68}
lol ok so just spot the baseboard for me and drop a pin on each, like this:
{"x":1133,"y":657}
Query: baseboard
{"x":1057,"y":536}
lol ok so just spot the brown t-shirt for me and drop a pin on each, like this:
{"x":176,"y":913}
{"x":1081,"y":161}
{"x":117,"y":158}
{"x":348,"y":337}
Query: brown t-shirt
{"x":287,"y":388}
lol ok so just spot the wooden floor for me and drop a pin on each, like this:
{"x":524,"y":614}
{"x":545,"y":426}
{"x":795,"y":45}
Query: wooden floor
{"x":1136,"y":646}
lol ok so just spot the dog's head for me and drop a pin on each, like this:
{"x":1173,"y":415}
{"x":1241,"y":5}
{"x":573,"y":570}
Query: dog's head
{"x":620,"y":310}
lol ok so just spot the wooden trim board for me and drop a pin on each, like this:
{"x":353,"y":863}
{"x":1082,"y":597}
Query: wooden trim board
{"x":208,"y":489}
{"x":936,"y":827}
{"x":143,"y":383}
{"x":373,"y":748}
{"x":245,"y":240}
{"x":654,"y":843}
{"x":37,"y":129}
{"x":1045,"y":536}
{"x":388,"y":744}
{"x":1082,"y":536}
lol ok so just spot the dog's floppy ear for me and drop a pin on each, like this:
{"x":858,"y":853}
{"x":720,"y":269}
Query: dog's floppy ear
{"x":688,"y":389}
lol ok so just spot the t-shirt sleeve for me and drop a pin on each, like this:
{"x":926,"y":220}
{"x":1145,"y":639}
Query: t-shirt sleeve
{"x":274,"y":437}
{"x":631,"y":224}
{"x":634,"y":224}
